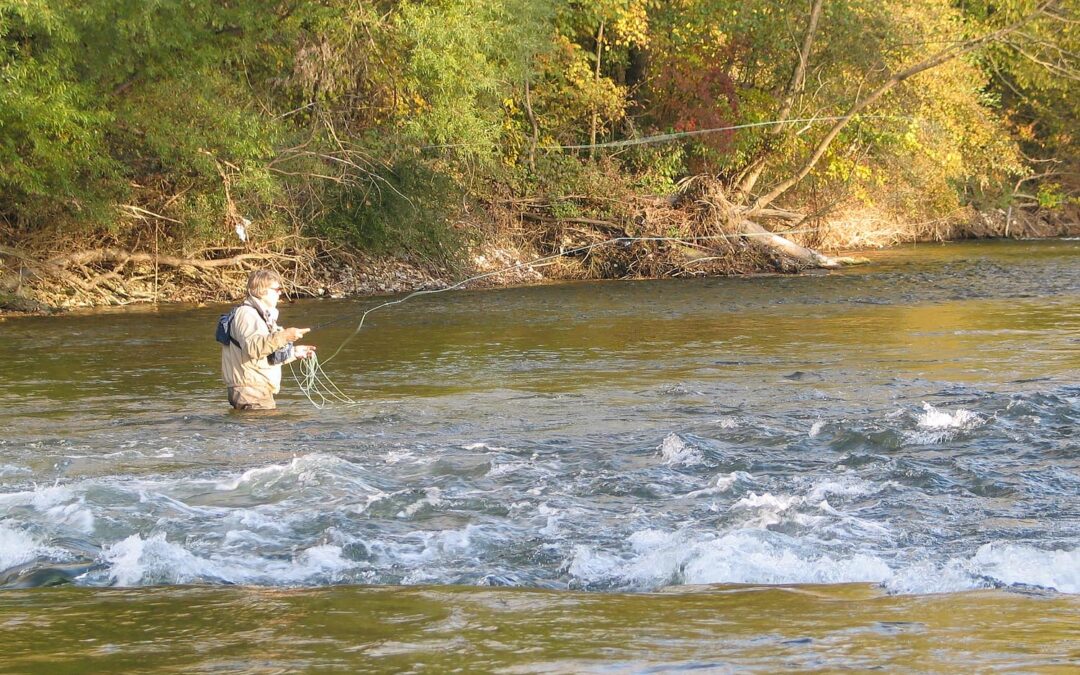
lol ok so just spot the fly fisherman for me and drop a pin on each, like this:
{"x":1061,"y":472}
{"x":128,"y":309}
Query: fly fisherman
{"x":254,"y":347}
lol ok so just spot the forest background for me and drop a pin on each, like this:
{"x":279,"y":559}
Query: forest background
{"x":160,"y":149}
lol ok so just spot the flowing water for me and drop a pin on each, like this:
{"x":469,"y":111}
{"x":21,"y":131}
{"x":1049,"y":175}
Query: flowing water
{"x":872,"y":467}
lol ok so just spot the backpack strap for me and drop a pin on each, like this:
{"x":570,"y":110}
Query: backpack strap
{"x":258,"y":311}
{"x":228,"y":331}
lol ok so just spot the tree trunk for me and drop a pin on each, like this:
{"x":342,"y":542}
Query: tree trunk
{"x":809,"y":257}
{"x":596,"y":115}
{"x":937,"y":59}
{"x":798,"y":78}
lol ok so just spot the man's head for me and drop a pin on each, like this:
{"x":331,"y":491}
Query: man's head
{"x":265,"y":286}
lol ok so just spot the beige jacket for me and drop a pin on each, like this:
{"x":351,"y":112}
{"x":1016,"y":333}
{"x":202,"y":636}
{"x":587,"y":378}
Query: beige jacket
{"x":246,"y":366}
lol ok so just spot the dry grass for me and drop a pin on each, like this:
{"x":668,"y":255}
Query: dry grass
{"x":635,"y":238}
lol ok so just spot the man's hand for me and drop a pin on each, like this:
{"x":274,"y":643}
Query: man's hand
{"x":294,"y":334}
{"x":303,"y":351}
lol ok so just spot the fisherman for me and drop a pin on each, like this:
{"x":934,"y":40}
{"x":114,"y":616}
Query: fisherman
{"x":258,"y":347}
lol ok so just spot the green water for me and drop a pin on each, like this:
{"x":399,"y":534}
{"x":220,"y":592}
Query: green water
{"x":458,"y":629}
{"x":870,"y":469}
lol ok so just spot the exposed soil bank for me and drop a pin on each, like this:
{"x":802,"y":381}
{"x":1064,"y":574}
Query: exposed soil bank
{"x":68,"y":276}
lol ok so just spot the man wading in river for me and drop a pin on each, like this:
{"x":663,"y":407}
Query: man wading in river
{"x":254,"y":347}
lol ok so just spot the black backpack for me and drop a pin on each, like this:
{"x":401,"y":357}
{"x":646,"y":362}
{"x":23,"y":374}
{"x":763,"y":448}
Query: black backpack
{"x":224,"y":329}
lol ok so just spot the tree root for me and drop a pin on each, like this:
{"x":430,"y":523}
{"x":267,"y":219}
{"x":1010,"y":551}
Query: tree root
{"x":120,"y":256}
{"x":110,"y":275}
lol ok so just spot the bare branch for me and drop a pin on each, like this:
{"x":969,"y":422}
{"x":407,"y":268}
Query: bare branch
{"x":937,"y":59}
{"x":142,"y":213}
{"x":121,"y":256}
{"x":795,"y":85}
{"x":1053,"y":67}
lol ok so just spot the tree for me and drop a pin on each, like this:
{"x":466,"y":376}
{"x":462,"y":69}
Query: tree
{"x":747,"y":206}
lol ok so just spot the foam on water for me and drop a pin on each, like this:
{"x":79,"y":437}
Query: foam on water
{"x":484,"y":446}
{"x":155,"y":560}
{"x":928,"y":577}
{"x":134,"y":561}
{"x":529,"y":467}
{"x":742,"y":556}
{"x":40,"y":498}
{"x":1017,"y":564}
{"x":398,"y":456}
{"x":302,"y":472}
{"x":432,"y":498}
{"x":995,"y":563}
{"x":7,"y":470}
{"x":767,"y":508}
{"x":758,"y":556}
{"x":934,"y":418}
{"x":657,"y":559}
{"x":17,"y":548}
{"x":765,"y":529}
{"x":723,"y":483}
{"x":844,"y":486}
{"x":60,"y":504}
{"x":677,"y":452}
{"x":938,"y":426}
{"x":553,"y":518}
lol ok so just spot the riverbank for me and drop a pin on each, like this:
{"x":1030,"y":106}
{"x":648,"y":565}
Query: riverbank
{"x":672,"y":243}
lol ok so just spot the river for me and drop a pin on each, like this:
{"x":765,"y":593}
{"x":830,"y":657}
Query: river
{"x":875,"y":467}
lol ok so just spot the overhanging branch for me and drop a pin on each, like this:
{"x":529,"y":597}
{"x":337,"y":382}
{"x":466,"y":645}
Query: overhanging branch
{"x":933,"y":61}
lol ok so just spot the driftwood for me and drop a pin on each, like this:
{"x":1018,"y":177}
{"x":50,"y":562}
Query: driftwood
{"x":102,"y":255}
{"x":808,"y":257}
{"x":117,"y":276}
{"x":40,"y":278}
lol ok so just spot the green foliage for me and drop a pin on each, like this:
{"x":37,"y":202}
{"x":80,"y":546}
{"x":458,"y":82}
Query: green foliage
{"x":53,"y":158}
{"x":1051,"y":195}
{"x":409,"y":209}
{"x":654,"y":168}
{"x":374,"y":121}
{"x":465,"y":60}
{"x":1034,"y":76}
{"x":567,"y":94}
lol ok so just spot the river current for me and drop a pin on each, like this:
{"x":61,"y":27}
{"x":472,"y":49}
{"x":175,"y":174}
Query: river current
{"x":744,"y":460}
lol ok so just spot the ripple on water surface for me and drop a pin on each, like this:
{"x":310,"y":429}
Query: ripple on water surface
{"x":597,"y":437}
{"x":918,"y":507}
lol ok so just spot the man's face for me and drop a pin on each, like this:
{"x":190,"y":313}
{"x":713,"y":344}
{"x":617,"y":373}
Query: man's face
{"x":272,"y":295}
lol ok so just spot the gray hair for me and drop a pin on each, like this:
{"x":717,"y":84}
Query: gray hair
{"x":259,"y":282}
